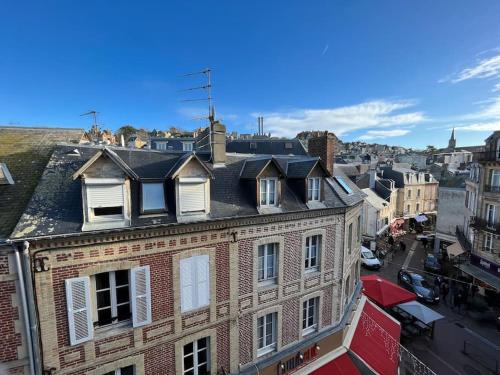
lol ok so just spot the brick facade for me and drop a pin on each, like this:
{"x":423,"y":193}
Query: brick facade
{"x":235,"y":298}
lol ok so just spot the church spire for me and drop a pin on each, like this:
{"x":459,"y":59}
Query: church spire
{"x":452,"y":142}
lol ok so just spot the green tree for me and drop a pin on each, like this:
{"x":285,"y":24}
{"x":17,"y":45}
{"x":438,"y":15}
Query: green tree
{"x":126,"y":131}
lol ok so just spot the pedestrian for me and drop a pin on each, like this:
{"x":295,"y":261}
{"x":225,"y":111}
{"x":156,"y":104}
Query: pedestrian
{"x":390,"y":241}
{"x":402,"y":246}
{"x":457,"y":299}
{"x":444,"y":291}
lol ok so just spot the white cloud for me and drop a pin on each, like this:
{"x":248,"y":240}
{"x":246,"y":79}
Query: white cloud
{"x":480,"y":127}
{"x":379,"y":134}
{"x":372,"y":114}
{"x":496,"y":87}
{"x":485,"y":68}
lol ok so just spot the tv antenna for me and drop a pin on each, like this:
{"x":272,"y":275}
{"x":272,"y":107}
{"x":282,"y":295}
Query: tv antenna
{"x":207,"y":87}
{"x":94,"y":114}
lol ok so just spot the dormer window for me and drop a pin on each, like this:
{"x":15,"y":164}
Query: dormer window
{"x":187,"y":146}
{"x":268,"y":192}
{"x":313,"y":189}
{"x":193,"y":195}
{"x":153,"y":197}
{"x":105,"y":200}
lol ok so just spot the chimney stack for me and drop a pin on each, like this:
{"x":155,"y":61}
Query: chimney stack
{"x":323,"y":146}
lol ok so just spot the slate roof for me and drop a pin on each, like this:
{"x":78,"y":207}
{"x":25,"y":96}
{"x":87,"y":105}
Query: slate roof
{"x":300,"y":169}
{"x":56,"y":205}
{"x":347,"y":169}
{"x":26,"y":152}
{"x":266,"y":147}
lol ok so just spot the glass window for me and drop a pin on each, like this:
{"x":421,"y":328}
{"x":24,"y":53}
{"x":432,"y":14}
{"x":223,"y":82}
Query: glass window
{"x":196,"y":357}
{"x":266,"y":333}
{"x":129,"y":370}
{"x":310,"y":315}
{"x":418,"y":207}
{"x":418,"y":193}
{"x":153,"y":198}
{"x":358,"y":229}
{"x":112,"y":296}
{"x":495,"y":180}
{"x":409,"y":193}
{"x":267,"y":263}
{"x":349,"y":238}
{"x":268,"y":191}
{"x":490,"y":214}
{"x":342,"y":183}
{"x":312,"y":253}
{"x":187,"y":146}
{"x":313,"y":189}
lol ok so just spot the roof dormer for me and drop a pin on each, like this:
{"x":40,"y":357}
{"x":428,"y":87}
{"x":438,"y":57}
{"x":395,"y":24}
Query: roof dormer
{"x":192,"y":188}
{"x":307,"y":178}
{"x":105,"y":187}
{"x":265,"y":179}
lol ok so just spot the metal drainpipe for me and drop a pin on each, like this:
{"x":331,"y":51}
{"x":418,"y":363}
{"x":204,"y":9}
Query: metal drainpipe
{"x":25,"y":309}
{"x":37,"y":358}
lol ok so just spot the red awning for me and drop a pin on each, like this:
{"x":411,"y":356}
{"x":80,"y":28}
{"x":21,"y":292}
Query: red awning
{"x":385,"y":293}
{"x":376,"y":340}
{"x":341,"y":365}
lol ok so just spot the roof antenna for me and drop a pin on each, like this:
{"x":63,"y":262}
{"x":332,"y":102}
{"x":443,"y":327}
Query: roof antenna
{"x":95,"y":128}
{"x":207,"y":72}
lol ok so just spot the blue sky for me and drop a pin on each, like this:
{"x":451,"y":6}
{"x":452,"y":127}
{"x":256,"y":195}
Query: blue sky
{"x":397,"y":72}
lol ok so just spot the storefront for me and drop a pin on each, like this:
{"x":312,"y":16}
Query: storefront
{"x":485,"y":273}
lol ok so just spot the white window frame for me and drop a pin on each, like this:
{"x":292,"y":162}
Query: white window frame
{"x":118,"y":371}
{"x":143,"y":197}
{"x":161,"y":145}
{"x":265,"y":182}
{"x":196,"y":351}
{"x":488,"y":242}
{"x":495,"y":178}
{"x":195,"y":283}
{"x":490,"y":214}
{"x":266,"y":279}
{"x":314,"y":189}
{"x":273,"y":318}
{"x":89,"y":183}
{"x":187,"y":146}
{"x":113,"y":298}
{"x":308,"y":329}
{"x":308,"y":253}
{"x":193,"y":180}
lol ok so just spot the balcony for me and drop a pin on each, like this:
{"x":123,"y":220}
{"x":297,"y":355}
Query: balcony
{"x":463,"y":240}
{"x":492,"y":188}
{"x":485,"y":156}
{"x":482,"y":224}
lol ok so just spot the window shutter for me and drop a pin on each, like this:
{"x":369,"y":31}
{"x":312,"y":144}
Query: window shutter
{"x":140,"y":283}
{"x":79,"y":311}
{"x":203,"y":280}
{"x":105,"y":195}
{"x":187,"y":292}
{"x":192,"y":196}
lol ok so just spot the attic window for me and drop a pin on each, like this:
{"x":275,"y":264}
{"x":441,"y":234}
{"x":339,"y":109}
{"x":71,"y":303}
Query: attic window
{"x":343,"y":184}
{"x":268,"y":191}
{"x":153,"y":198}
{"x":193,"y":195}
{"x":104,"y":203}
{"x":5,"y":177}
{"x":253,"y":145}
{"x":187,"y":146}
{"x":288,"y":145}
{"x":313,"y":189}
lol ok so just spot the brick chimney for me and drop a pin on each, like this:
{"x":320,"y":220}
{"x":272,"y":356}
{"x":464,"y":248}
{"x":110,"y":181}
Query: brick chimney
{"x":323,"y":146}
{"x":213,"y":139}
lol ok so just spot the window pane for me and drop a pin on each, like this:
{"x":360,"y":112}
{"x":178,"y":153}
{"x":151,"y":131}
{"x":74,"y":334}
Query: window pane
{"x":188,"y":362}
{"x":122,"y":294}
{"x":105,"y":211}
{"x":129,"y":370}
{"x":203,"y":370}
{"x":123,"y":312}
{"x":104,"y":316}
{"x":202,"y":343}
{"x":188,"y":348}
{"x":272,"y":188}
{"x":263,"y":192}
{"x":202,"y":356}
{"x":121,"y":277}
{"x":102,"y":280}
{"x":153,"y":197}
{"x":103,"y":299}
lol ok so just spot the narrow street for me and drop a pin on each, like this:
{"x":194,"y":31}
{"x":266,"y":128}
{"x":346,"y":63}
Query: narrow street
{"x":444,"y":353}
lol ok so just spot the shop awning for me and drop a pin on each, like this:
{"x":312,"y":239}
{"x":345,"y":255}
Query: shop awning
{"x":376,"y":340}
{"x":421,"y":312}
{"x":342,"y":365}
{"x":455,"y":249}
{"x":385,"y":293}
{"x":478,"y":273}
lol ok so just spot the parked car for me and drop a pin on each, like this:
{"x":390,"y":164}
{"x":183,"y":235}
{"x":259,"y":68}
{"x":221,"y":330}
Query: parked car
{"x":418,"y":284}
{"x":368,"y":260}
{"x":431,"y":264}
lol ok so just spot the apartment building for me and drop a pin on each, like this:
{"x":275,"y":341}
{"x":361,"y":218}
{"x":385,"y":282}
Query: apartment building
{"x":480,"y":233}
{"x":158,"y":262}
{"x":24,"y":152}
{"x":417,"y":191}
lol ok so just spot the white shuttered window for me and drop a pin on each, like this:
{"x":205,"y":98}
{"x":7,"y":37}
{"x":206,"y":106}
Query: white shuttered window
{"x":140,"y":282}
{"x":195,"y":282}
{"x":79,"y":310}
{"x":106,"y":195}
{"x":192,"y":196}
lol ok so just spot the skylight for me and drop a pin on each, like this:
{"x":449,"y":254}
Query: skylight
{"x":343,"y":184}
